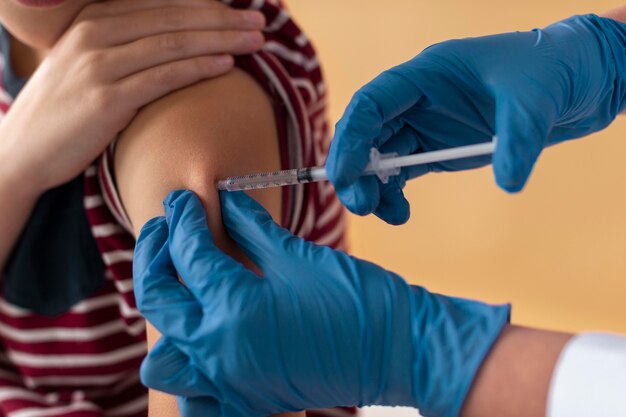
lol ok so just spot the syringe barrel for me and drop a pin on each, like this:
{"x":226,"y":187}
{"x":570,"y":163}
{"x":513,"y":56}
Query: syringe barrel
{"x":272,"y":179}
{"x":258,"y":181}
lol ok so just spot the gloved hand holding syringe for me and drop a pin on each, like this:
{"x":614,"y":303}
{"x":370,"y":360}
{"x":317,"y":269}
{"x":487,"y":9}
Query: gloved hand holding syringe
{"x":381,"y":165}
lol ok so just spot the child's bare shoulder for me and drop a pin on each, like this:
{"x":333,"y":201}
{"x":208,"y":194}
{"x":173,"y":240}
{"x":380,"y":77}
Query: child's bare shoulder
{"x":190,"y":138}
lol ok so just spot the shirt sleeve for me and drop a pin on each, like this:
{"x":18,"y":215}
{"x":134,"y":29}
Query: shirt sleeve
{"x":590,"y":378}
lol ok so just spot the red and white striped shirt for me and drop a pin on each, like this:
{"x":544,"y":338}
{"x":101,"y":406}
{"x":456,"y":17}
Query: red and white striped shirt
{"x":85,"y":362}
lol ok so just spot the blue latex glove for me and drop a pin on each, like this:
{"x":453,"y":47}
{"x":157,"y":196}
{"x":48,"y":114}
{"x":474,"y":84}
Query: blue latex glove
{"x":321,"y":329}
{"x":531,"y":89}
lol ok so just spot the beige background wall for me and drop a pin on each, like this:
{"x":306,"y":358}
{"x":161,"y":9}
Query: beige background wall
{"x":558,"y":250}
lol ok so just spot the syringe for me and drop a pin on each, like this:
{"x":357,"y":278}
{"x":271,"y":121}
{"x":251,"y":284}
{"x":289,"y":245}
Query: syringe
{"x":382,"y":165}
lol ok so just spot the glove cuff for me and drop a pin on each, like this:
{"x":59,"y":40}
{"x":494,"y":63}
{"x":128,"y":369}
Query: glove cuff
{"x":614,"y":35}
{"x":450,"y":350}
{"x":601,"y":45}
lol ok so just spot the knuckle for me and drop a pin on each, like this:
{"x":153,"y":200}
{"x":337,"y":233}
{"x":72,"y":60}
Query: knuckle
{"x":172,"y":18}
{"x":363,"y":102}
{"x":202,"y":65}
{"x":90,"y":11}
{"x":86,"y":31}
{"x":225,"y":15}
{"x":164,"y":75}
{"x":443,"y":49}
{"x":174,"y":42}
{"x":103,"y":98}
{"x":95,"y":58}
{"x":92,"y":63}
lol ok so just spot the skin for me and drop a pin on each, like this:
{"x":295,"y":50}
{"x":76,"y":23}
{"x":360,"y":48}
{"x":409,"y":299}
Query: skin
{"x":188,"y":140}
{"x":145,"y":55}
{"x":514,"y":380}
{"x":91,"y":69}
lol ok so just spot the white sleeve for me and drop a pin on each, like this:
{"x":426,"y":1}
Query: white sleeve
{"x":590,"y":378}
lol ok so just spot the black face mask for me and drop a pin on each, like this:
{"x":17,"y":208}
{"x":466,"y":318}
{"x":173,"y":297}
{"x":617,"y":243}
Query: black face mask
{"x":56,"y":262}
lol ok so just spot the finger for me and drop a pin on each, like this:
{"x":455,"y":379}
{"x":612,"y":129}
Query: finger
{"x":393,"y":207}
{"x":201,"y":264}
{"x":388,"y":131}
{"x":367,"y":194}
{"x":199,"y":407}
{"x":162,"y":49}
{"x":403,"y":142}
{"x":119,"y":7}
{"x":253,"y":229}
{"x":146,"y":86}
{"x":161,"y":298}
{"x":522,"y":131}
{"x":150,"y":239}
{"x":146,"y":23}
{"x":362,"y":197}
{"x":166,"y":368}
{"x":378,"y":102}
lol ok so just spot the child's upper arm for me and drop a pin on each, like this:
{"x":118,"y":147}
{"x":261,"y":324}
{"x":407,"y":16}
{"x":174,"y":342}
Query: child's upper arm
{"x":192,"y":137}
{"x":187,"y":140}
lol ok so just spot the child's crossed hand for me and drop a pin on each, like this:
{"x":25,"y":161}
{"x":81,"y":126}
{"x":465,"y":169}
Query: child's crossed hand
{"x":116,"y":57}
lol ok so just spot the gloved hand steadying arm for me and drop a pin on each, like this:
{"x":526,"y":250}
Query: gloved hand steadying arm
{"x":319,"y":329}
{"x":531,"y":89}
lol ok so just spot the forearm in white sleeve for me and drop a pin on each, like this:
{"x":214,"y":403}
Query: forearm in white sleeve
{"x":590,"y":378}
